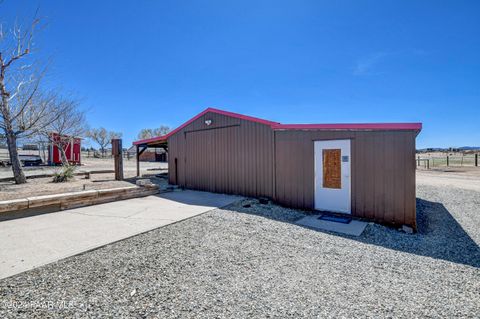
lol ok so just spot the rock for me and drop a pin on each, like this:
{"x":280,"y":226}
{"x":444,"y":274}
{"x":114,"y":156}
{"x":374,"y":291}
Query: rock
{"x":407,"y":229}
{"x":134,"y":291}
{"x":144,"y":182}
{"x":263,"y":200}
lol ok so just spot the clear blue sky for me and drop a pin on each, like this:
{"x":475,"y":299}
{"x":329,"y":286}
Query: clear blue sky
{"x":145,"y":63}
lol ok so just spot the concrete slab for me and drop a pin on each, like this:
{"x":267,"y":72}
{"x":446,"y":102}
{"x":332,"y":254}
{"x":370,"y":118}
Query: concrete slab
{"x":354,"y":228}
{"x":34,"y":241}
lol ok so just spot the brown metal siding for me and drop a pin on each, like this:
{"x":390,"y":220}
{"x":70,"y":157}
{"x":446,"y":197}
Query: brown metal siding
{"x":236,"y":156}
{"x":230,"y":156}
{"x":383,"y":172}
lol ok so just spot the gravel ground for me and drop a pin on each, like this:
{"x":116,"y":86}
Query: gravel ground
{"x":253,"y":262}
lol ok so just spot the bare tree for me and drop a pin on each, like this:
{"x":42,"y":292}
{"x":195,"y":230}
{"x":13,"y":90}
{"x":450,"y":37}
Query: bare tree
{"x":99,"y":136}
{"x":102,"y":137}
{"x":115,"y":135}
{"x":69,"y":123}
{"x":145,"y":133}
{"x":24,"y":111}
{"x":162,"y":130}
{"x":43,"y":144}
{"x":148,"y":132}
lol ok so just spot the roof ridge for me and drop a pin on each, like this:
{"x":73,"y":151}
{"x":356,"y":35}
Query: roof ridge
{"x":279,"y":126}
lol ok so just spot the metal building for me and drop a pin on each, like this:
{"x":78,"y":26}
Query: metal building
{"x":366,"y":170}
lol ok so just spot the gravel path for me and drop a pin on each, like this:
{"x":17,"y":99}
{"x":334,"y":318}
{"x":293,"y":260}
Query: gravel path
{"x":252,"y":262}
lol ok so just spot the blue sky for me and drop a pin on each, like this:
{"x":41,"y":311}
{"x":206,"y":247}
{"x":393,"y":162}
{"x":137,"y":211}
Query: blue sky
{"x":142,"y":63}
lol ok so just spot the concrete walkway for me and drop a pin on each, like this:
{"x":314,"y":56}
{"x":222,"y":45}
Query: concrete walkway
{"x":31,"y":242}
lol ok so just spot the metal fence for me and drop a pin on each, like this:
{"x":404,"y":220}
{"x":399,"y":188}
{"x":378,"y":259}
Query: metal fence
{"x":106,"y":154}
{"x":447,"y":160}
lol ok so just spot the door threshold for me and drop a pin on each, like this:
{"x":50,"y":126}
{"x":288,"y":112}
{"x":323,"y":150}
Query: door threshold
{"x":353,"y":228}
{"x":336,"y":219}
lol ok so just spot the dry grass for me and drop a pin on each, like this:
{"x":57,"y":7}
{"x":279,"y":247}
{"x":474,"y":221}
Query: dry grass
{"x":45,"y":186}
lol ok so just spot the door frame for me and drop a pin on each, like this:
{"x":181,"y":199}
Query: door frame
{"x":316,"y":168}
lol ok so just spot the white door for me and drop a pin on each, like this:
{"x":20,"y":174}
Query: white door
{"x":332,"y":176}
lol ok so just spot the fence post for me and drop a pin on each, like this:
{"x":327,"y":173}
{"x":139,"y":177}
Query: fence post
{"x":118,"y":159}
{"x":428,"y":164}
{"x":418,"y":162}
{"x":447,"y":161}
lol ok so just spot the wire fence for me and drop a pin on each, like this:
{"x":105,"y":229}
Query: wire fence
{"x":107,"y":154}
{"x":447,"y":160}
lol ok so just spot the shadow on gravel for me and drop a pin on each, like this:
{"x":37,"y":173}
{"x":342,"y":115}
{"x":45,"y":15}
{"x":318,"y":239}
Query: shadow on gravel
{"x":439,"y":235}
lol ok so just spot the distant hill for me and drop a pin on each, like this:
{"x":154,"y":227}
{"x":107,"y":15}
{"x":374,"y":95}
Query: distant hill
{"x":469,"y":148}
{"x":449,"y":149}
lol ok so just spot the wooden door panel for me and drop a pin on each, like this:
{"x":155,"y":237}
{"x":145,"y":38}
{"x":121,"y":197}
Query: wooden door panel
{"x":332,"y":170}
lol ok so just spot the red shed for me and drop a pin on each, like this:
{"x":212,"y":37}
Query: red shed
{"x":72,"y":150}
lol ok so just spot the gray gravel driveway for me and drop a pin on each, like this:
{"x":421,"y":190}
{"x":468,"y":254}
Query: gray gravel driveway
{"x":253,"y":262}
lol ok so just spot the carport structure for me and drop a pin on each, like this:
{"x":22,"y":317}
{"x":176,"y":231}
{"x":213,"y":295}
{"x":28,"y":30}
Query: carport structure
{"x":366,"y":170}
{"x":143,"y":145}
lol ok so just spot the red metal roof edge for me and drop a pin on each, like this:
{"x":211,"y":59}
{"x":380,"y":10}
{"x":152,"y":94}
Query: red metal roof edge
{"x":350,"y":126}
{"x":152,"y":139}
{"x":210,"y":109}
{"x":279,"y":126}
{"x":241,"y":116}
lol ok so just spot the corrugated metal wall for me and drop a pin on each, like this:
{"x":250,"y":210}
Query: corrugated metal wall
{"x":229,"y":156}
{"x":236,"y":156}
{"x":383,"y":172}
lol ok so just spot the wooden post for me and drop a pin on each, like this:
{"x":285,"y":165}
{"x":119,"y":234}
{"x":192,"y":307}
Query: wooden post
{"x":428,"y":164}
{"x":139,"y":152}
{"x":418,"y":161}
{"x":447,"y":161}
{"x":118,"y":159}
{"x":476,"y":159}
{"x":138,"y":162}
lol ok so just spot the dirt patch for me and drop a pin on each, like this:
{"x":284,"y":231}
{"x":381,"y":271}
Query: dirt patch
{"x":45,"y":186}
{"x":465,"y":178}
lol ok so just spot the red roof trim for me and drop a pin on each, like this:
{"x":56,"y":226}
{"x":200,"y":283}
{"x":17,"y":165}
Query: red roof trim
{"x":241,"y":116}
{"x":279,"y":126}
{"x":152,"y":139}
{"x":350,"y":126}
{"x":212,"y":110}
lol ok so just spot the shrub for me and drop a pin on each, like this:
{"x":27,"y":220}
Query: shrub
{"x":64,"y":175}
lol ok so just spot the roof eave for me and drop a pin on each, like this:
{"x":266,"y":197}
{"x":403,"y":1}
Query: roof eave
{"x":278,"y":126}
{"x":352,"y":126}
